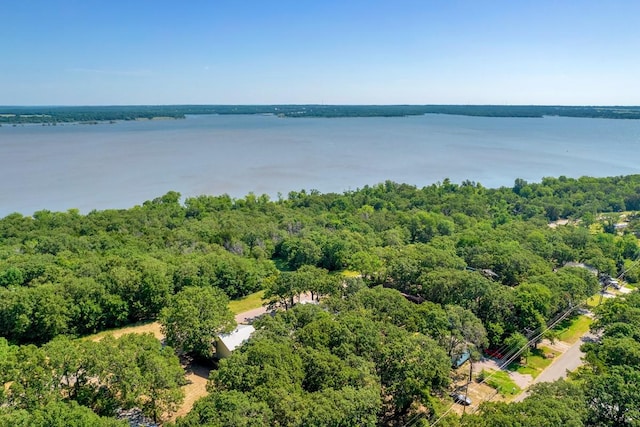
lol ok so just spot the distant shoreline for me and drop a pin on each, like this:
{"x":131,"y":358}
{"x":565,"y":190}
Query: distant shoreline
{"x":90,"y":122}
{"x":107,"y":114}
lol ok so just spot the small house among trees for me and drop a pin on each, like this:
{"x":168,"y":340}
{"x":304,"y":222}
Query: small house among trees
{"x":226,"y":343}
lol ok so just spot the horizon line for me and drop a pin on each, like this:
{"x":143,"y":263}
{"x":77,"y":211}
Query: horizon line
{"x":315,"y":105}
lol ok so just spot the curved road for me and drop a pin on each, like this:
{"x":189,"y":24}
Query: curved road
{"x":568,"y":361}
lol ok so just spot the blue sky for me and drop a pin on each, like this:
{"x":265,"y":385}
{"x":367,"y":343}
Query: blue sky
{"x":333,"y":52}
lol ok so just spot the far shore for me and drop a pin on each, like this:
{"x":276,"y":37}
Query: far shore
{"x":87,"y":122}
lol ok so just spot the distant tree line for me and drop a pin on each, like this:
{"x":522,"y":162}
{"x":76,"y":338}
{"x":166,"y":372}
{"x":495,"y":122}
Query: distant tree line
{"x":87,"y":114}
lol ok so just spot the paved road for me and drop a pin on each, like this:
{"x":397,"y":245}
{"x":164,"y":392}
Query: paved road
{"x":248,"y":316}
{"x":570,"y":360}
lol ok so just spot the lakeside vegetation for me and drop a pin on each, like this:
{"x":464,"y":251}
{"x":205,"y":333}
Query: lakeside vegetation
{"x":95,"y":114}
{"x":485,"y":265}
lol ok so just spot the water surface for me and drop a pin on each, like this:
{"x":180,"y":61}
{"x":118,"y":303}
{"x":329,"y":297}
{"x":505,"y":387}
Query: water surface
{"x":123,"y":164}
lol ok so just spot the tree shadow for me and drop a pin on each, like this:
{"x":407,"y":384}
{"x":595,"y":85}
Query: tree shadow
{"x":199,"y":367}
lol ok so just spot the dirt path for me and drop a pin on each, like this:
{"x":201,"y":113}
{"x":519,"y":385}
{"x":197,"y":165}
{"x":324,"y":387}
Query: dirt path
{"x":522,"y":380}
{"x":196,"y":376}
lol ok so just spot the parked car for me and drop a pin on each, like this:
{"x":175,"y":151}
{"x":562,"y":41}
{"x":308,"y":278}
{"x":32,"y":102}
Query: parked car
{"x":606,"y":280}
{"x":462,"y":399}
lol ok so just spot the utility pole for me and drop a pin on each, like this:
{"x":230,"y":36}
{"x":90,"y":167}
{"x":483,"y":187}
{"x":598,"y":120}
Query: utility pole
{"x":602,"y":291}
{"x":466,"y":389}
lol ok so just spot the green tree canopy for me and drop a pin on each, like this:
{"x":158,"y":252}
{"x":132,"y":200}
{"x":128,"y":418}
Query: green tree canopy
{"x":193,"y":319}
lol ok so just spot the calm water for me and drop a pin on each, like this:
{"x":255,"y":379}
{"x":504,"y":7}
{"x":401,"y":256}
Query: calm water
{"x":123,"y":164}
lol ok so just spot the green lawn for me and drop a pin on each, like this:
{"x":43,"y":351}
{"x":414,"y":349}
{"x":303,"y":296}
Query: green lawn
{"x":349,"y":273}
{"x":502,"y":382}
{"x":593,"y":301}
{"x":135,"y":328}
{"x":570,"y":330}
{"x":535,"y":363}
{"x":247,"y":303}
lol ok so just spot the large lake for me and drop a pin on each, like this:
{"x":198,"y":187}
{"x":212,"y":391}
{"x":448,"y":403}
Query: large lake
{"x":123,"y":164}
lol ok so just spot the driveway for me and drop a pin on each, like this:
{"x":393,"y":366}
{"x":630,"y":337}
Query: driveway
{"x":248,"y":316}
{"x":568,"y":361}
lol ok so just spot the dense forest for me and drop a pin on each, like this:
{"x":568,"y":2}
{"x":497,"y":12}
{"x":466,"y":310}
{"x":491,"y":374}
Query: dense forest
{"x":86,"y":114}
{"x":408,"y":279}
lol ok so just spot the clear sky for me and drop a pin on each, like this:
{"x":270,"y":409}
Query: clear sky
{"x":571,"y":52}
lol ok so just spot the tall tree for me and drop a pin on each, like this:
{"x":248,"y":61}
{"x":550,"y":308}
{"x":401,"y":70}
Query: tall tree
{"x":139,"y":371}
{"x":193,"y":319}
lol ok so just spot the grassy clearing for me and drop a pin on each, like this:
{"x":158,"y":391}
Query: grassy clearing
{"x":247,"y":303}
{"x":501,"y":381}
{"x":349,"y":273}
{"x":593,"y":301}
{"x":537,"y":362}
{"x":137,"y":328}
{"x":570,"y":330}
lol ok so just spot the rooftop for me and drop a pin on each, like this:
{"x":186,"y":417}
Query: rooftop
{"x":235,"y":338}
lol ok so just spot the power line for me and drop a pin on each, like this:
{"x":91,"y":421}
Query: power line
{"x":414,"y":419}
{"x":635,"y":263}
{"x":513,"y":356}
{"x":534,"y":339}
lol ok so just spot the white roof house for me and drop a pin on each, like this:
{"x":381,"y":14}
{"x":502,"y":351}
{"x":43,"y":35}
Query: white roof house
{"x":226,"y":343}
